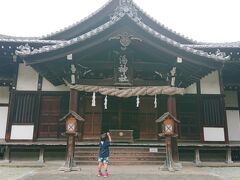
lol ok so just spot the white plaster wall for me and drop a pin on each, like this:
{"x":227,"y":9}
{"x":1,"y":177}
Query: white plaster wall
{"x":22,"y":132}
{"x":213,"y":134}
{"x":192,"y":89}
{"x":4,"y":95}
{"x":27,"y":78}
{"x":210,"y":84}
{"x":233,"y":121}
{"x":47,"y":86}
{"x":3,"y":121}
{"x":231,"y":99}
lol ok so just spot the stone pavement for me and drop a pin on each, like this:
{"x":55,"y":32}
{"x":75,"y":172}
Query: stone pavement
{"x":51,"y":172}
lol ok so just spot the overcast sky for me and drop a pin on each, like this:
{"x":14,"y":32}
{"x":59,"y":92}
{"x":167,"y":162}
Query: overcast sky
{"x":201,"y":20}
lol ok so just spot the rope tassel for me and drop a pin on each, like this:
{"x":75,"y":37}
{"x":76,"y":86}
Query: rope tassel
{"x":138,"y":101}
{"x":105,"y":102}
{"x":155,"y":101}
{"x":94,"y":99}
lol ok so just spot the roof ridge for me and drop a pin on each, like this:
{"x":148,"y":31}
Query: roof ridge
{"x":25,"y":51}
{"x":30,"y":40}
{"x":78,"y":22}
{"x":215,"y":45}
{"x":3,"y":36}
{"x":162,"y":25}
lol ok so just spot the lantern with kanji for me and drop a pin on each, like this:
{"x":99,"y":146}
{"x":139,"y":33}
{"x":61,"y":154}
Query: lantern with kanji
{"x":71,"y":122}
{"x":169,"y":124}
{"x":169,"y":130}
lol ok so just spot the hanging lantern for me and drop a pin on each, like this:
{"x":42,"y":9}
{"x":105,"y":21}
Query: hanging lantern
{"x":155,"y":101}
{"x":94,"y":99}
{"x":138,"y":101}
{"x":105,"y":102}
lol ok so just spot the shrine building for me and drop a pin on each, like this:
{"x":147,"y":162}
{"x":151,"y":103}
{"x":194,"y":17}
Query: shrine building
{"x":120,"y":70}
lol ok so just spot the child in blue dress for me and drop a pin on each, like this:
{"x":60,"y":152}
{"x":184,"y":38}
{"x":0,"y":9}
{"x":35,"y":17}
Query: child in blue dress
{"x":103,"y":155}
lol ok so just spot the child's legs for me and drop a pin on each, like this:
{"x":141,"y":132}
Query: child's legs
{"x":105,"y":166}
{"x":100,"y":164}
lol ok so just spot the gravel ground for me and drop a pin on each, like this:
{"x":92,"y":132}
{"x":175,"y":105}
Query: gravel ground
{"x":51,"y":172}
{"x":10,"y":173}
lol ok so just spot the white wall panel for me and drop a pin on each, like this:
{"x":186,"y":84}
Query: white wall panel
{"x":47,"y":86}
{"x":233,"y":121}
{"x":22,"y":132}
{"x":231,"y":99}
{"x":3,"y":121}
{"x":4,"y":95}
{"x":27,"y":78}
{"x":192,"y":89}
{"x":210,"y":84}
{"x":213,"y":134}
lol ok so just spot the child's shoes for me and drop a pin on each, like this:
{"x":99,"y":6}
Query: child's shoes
{"x":106,"y":174}
{"x":100,"y":174}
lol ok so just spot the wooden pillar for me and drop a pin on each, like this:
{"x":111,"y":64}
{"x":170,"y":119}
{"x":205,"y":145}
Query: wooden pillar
{"x":197,"y":158}
{"x":171,"y":107}
{"x":169,"y":164}
{"x":73,"y":106}
{"x":73,"y":101}
{"x":11,"y":104}
{"x":10,"y":115}
{"x":36,"y":122}
{"x":223,"y":105}
{"x":41,"y":155}
{"x":200,"y":111}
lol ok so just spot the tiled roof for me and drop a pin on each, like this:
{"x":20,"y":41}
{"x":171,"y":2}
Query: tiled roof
{"x":32,"y":41}
{"x":162,"y":25}
{"x":107,"y":25}
{"x":78,"y":22}
{"x":124,"y":8}
{"x":91,"y":15}
{"x":215,"y":45}
{"x":15,"y":37}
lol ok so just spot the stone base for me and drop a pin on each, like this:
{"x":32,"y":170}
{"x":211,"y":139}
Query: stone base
{"x":69,"y":169}
{"x":173,"y":167}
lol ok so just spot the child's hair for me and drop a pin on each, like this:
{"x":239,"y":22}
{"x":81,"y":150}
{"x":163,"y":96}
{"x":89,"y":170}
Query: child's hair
{"x":103,"y":137}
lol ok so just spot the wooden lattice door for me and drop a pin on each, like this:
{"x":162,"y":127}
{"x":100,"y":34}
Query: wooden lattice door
{"x":49,"y":117}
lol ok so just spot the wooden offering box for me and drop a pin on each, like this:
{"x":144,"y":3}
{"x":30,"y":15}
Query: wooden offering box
{"x":120,"y":135}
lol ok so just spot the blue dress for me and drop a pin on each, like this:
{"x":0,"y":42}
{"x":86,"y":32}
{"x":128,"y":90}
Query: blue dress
{"x":103,"y":149}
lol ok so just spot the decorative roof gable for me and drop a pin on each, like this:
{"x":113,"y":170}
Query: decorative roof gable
{"x":125,"y":7}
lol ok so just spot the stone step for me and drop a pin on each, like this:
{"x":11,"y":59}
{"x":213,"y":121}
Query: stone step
{"x":126,"y":158}
{"x":120,"y":149}
{"x":122,"y":163}
{"x":122,"y":155}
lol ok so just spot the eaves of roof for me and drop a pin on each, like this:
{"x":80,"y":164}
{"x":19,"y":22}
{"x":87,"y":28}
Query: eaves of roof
{"x":98,"y":11}
{"x":163,"y":26}
{"x":215,"y":45}
{"x":109,"y":24}
{"x":25,"y":40}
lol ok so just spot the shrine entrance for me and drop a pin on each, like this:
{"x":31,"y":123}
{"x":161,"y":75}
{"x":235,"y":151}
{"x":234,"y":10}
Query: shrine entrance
{"x":122,"y":113}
